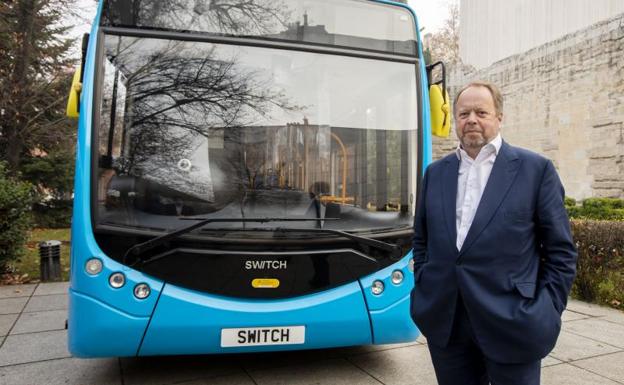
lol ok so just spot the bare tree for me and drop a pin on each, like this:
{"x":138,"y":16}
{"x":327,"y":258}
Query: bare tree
{"x":444,"y":44}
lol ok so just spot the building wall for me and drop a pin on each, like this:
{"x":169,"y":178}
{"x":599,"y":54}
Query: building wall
{"x":565,"y":100}
{"x":491,"y":30}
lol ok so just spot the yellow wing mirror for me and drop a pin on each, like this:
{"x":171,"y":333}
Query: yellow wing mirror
{"x":440,"y":111}
{"x":74,"y":96}
{"x":73,"y":102}
{"x":439,"y":104}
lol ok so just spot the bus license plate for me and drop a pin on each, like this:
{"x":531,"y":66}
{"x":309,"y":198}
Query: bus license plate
{"x":269,"y":335}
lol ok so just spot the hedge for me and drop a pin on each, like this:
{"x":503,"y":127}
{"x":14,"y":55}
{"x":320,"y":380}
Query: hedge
{"x":596,"y":208}
{"x":600,"y":268}
{"x":16,"y":200}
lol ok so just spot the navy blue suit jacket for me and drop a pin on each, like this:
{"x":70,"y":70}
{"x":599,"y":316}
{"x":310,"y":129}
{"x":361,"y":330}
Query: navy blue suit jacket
{"x":515,"y":268}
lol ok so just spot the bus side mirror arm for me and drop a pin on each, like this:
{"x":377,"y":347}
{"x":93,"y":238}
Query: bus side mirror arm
{"x":430,"y":68}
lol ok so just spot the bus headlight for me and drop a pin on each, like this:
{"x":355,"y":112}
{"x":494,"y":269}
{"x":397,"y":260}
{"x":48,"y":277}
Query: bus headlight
{"x":397,"y":277}
{"x":377,"y":287}
{"x":94,"y":266}
{"x":410,"y":265}
{"x":117,"y":280}
{"x":142,"y":291}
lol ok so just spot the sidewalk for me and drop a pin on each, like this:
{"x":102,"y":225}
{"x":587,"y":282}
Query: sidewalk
{"x":33,"y":350}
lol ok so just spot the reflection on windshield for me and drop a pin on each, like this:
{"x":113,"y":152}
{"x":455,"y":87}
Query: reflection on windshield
{"x":204,"y":129}
{"x":346,"y":23}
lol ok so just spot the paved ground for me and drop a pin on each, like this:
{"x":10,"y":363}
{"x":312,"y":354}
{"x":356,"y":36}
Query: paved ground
{"x":33,"y":350}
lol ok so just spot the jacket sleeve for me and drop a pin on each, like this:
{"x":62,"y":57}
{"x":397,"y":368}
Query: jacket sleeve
{"x":558,"y":251}
{"x":419,"y":241}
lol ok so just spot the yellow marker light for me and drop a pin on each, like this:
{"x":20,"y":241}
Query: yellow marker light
{"x":265,"y":283}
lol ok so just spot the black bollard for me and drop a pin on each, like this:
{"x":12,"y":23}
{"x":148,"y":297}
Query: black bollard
{"x":50,"y":260}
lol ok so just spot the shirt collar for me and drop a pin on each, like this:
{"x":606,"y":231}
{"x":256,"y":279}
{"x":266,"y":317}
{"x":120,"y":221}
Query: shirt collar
{"x":495,"y":144}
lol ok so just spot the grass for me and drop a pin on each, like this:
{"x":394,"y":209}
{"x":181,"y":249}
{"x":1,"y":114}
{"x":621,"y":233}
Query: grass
{"x":27,"y":267}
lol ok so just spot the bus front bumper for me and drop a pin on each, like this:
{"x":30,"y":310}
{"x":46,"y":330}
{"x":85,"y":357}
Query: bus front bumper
{"x":190,"y":322}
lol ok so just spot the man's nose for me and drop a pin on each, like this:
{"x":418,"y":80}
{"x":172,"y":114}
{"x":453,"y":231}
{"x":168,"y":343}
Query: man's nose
{"x":472,"y":117}
{"x":470,"y":121}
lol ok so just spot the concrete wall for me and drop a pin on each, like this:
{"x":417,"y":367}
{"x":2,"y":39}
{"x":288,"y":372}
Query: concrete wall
{"x":491,"y":30}
{"x":565,"y":100}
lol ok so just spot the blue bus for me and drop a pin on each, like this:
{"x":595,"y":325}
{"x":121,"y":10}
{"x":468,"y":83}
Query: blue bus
{"x":246,"y":175}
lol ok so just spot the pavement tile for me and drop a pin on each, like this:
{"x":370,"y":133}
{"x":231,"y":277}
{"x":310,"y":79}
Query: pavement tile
{"x":331,"y":372}
{"x":355,"y":350}
{"x":566,"y":374}
{"x":12,"y":291}
{"x":610,"y":365}
{"x":598,"y":329}
{"x":588,"y":308}
{"x":12,"y":305}
{"x":47,"y":302}
{"x":569,"y":315}
{"x":550,"y":361}
{"x":617,"y":318}
{"x":274,"y":360}
{"x":410,"y":365}
{"x":52,"y":288}
{"x":175,"y":369}
{"x":6,"y":322}
{"x":271,"y":360}
{"x":571,"y":347}
{"x":26,"y":348}
{"x":233,"y":379}
{"x":40,"y":322}
{"x":68,"y":371}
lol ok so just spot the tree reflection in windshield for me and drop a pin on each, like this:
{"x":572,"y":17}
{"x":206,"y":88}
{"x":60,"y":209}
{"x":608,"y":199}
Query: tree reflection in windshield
{"x":346,"y":23}
{"x":176,"y":97}
{"x":234,"y":17}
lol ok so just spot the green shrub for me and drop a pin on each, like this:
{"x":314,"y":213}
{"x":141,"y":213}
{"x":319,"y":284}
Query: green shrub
{"x":600,"y":268}
{"x":569,"y":202}
{"x":606,"y":203}
{"x":597,"y":209}
{"x":16,"y":199}
{"x":53,"y":215}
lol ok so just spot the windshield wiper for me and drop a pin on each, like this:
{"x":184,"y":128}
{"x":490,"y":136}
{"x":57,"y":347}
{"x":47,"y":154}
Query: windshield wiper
{"x":395,"y":250}
{"x":140,"y":248}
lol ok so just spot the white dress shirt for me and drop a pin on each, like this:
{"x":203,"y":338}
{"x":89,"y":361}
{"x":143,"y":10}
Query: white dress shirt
{"x":471,"y":180}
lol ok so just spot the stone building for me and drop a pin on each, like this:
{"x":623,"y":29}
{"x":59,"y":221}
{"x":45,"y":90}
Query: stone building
{"x":564,"y":98}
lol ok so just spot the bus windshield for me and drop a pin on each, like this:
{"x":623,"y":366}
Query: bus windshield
{"x":346,"y":23}
{"x":202,"y":129}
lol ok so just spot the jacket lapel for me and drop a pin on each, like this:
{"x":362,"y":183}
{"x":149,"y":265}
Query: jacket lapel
{"x":449,"y":196}
{"x":503,"y":174}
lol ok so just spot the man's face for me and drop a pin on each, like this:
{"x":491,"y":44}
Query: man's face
{"x":476,"y":119}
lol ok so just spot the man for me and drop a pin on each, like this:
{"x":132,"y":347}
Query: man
{"x":494,"y":256}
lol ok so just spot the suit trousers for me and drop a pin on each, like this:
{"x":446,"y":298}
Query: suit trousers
{"x":462,"y":362}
